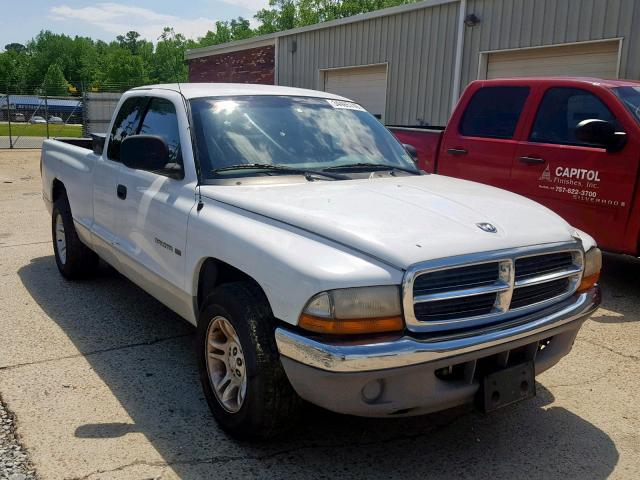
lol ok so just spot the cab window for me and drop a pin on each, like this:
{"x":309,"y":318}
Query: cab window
{"x":560,"y":112}
{"x":125,"y":124}
{"x":493,"y":112}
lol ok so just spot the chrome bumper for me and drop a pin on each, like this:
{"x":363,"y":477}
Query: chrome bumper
{"x":406,"y":351}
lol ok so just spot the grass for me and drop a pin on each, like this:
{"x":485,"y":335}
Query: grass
{"x":40,"y":130}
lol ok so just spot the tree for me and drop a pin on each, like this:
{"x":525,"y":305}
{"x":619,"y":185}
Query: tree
{"x":168,"y":63}
{"x":13,"y":68}
{"x":129,"y":41}
{"x":121,"y":70}
{"x":281,"y":15}
{"x":286,"y":14}
{"x":236,"y":29}
{"x":54,"y":81}
{"x":15,"y":47}
{"x":240,"y":29}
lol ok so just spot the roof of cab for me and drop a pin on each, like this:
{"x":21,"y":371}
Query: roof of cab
{"x":606,"y":83}
{"x":199,"y":90}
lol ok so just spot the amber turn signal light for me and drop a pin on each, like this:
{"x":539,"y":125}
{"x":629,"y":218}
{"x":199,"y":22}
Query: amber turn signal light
{"x":351,"y":326}
{"x":588,"y":282}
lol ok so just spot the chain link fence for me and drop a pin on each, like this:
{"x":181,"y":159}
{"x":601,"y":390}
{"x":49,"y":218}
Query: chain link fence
{"x":27,"y":119}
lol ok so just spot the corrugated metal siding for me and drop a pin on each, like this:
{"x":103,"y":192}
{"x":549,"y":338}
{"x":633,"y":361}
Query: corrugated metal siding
{"x":418,"y":46}
{"x":508,"y":24}
{"x":589,"y":59}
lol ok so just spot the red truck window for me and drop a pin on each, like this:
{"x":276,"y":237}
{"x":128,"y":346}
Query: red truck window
{"x":630,"y":97}
{"x":560,"y":112}
{"x":493,"y":112}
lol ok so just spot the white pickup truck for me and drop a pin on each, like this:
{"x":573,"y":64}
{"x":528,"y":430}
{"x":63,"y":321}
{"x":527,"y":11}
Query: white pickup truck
{"x":315,"y":259}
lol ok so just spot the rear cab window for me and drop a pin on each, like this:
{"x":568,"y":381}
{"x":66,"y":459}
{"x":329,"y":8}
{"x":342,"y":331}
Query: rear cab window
{"x":560,"y":112}
{"x":125,"y":124}
{"x":494,"y":112}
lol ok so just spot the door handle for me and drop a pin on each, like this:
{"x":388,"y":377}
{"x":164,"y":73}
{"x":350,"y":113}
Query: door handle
{"x":457,"y":151}
{"x":531,"y":160}
{"x":122,"y":192}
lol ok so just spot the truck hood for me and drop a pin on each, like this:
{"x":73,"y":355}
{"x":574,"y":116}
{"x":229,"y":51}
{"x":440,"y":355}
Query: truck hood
{"x":403,"y":220}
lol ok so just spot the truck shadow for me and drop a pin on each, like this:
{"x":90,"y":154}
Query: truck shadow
{"x":619,"y":284}
{"x":143,"y":353}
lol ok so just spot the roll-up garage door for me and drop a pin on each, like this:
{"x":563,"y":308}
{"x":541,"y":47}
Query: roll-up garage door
{"x":598,"y":59}
{"x":364,"y":85}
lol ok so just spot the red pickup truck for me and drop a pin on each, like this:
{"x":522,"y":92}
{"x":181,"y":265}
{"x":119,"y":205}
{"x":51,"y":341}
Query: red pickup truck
{"x":572,"y":144}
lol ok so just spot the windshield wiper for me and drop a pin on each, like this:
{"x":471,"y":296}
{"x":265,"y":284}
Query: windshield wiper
{"x":367,"y":166}
{"x":279,"y":168}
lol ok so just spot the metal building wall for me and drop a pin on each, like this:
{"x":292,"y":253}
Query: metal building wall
{"x":508,"y":24}
{"x":418,"y":46}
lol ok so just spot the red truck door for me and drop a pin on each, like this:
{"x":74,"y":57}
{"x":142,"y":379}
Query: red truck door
{"x":584,"y":183}
{"x":480,"y":140}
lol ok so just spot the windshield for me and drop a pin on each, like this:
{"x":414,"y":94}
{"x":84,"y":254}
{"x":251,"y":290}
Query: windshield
{"x":292,"y":132}
{"x":630,"y":97}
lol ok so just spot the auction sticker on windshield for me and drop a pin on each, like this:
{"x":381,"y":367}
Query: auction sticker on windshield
{"x":345,"y":105}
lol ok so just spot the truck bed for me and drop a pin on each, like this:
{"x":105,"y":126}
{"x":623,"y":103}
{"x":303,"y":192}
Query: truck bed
{"x":426,"y":141}
{"x":95,"y":142}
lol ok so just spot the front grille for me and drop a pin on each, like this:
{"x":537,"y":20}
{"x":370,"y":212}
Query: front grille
{"x":525,"y":296}
{"x":456,"y":278}
{"x":541,"y":264}
{"x":455,"y":308}
{"x":469,"y":293}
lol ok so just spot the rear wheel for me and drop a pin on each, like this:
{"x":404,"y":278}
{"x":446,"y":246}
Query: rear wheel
{"x":74,"y":259}
{"x":243,"y":380}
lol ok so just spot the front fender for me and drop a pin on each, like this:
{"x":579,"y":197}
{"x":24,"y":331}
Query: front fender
{"x":291,"y":265}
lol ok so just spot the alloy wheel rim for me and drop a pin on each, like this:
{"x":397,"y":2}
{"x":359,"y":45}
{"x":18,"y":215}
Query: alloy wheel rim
{"x":226,"y":364}
{"x":61,"y":240}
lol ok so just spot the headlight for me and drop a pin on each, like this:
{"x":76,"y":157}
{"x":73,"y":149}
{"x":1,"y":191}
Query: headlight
{"x":592,"y":267}
{"x":354,"y":310}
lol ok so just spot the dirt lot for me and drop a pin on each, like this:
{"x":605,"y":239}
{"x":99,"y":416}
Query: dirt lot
{"x":103,"y":383}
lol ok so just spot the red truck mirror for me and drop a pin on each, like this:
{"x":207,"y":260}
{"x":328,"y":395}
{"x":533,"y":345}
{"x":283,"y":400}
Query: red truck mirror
{"x":601,"y":133}
{"x":411,"y":150}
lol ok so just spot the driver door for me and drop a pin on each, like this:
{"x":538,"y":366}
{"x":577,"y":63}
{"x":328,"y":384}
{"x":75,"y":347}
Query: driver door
{"x":584,"y":183}
{"x":154,"y":207}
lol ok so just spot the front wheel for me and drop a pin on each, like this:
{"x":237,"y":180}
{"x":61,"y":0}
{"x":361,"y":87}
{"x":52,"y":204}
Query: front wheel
{"x":243,"y":380}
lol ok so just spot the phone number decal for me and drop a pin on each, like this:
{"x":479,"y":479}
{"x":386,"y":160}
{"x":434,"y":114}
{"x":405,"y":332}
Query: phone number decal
{"x":575,"y":191}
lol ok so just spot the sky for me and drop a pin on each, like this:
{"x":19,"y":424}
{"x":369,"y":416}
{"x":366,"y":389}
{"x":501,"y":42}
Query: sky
{"x":21,"y":20}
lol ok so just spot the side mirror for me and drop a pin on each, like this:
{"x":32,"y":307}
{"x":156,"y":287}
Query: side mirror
{"x":144,"y":152}
{"x":602,"y":133}
{"x":411,"y":150}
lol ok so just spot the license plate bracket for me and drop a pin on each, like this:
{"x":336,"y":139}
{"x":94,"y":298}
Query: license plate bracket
{"x":506,"y":386}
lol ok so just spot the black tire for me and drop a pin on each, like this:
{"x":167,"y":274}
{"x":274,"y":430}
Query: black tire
{"x":270,"y":404}
{"x":78,"y":260}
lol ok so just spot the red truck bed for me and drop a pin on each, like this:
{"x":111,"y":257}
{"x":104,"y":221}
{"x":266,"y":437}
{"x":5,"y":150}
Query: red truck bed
{"x":426,"y":141}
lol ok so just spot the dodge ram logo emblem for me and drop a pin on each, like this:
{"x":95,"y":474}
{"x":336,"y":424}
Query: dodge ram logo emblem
{"x":486,"y":227}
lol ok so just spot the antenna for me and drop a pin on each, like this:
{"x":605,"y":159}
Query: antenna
{"x":176,"y":72}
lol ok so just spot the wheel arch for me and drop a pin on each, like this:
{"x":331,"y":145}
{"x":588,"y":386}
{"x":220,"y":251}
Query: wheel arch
{"x":213,"y":272}
{"x":57,"y":189}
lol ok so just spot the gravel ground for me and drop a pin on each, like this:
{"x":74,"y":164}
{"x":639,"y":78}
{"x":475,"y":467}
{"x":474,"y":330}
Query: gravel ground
{"x":14,"y":461}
